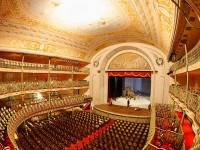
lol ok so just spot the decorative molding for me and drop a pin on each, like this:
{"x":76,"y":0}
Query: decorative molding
{"x":141,"y":24}
{"x":129,"y":61}
{"x":96,"y":64}
{"x":159,"y":61}
{"x":27,"y":45}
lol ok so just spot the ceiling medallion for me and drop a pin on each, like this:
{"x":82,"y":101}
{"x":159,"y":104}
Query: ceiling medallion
{"x":159,"y":61}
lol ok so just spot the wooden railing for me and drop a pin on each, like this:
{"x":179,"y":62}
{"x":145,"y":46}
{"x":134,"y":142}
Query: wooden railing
{"x":193,"y":57}
{"x":40,"y":108}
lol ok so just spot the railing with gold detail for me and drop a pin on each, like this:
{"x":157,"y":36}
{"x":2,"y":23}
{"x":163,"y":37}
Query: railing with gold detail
{"x":170,"y":126}
{"x":4,"y":63}
{"x":192,"y":103}
{"x":12,"y":87}
{"x":81,"y":69}
{"x":10,"y":64}
{"x":40,"y":108}
{"x":180,"y":92}
{"x":193,"y":57}
{"x":61,"y":68}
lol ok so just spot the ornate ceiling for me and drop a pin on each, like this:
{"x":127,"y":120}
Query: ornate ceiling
{"x":51,"y":26}
{"x":129,"y":61}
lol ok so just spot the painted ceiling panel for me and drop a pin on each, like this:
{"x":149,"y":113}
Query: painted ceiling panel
{"x":86,"y":26}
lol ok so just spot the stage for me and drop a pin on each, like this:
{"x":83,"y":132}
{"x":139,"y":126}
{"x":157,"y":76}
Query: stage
{"x":132,"y":114}
{"x":139,"y":101}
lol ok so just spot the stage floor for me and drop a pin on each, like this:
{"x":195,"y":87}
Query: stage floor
{"x":140,"y":101}
{"x":123,"y":110}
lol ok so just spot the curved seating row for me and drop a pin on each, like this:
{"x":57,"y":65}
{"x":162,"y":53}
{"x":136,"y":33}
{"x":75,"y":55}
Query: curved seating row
{"x":59,"y":132}
{"x":44,"y":107}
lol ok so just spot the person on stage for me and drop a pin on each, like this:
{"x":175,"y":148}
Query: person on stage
{"x":128,"y":103}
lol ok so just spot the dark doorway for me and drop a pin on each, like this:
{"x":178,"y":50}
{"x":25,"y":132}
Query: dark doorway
{"x":115,"y":87}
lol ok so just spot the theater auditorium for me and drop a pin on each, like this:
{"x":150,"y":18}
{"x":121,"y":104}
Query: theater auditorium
{"x":99,"y":75}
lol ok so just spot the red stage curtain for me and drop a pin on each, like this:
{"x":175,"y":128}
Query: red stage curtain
{"x":143,"y":74}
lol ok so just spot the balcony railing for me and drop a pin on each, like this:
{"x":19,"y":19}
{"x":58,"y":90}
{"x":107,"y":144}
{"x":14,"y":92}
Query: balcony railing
{"x":82,"y":69}
{"x":193,"y":103}
{"x":10,"y":64}
{"x":61,"y":68}
{"x":192,"y":100}
{"x":193,"y":57}
{"x":4,"y":63}
{"x":12,"y":87}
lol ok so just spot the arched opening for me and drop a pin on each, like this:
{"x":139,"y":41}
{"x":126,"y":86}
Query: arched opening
{"x":145,"y":57}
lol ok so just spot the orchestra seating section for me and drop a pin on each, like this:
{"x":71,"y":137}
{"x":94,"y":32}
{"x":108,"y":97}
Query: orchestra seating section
{"x":66,"y":129}
{"x":122,"y":135}
{"x":29,"y":108}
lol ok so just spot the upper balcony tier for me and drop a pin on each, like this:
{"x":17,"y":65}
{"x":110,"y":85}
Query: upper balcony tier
{"x":193,"y":62}
{"x":16,"y":66}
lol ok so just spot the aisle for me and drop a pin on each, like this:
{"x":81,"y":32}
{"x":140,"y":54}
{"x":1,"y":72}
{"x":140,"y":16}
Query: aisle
{"x":90,"y":137}
{"x":188,"y":132}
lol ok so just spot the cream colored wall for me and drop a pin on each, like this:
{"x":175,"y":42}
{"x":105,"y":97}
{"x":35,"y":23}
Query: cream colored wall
{"x":99,"y":77}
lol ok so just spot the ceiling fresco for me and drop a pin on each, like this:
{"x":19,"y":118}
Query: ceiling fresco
{"x":79,"y":29}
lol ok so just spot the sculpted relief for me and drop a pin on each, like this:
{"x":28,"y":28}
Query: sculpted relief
{"x":129,"y":61}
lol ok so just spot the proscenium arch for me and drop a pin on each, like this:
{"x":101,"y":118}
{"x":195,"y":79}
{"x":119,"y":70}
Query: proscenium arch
{"x":106,"y":55}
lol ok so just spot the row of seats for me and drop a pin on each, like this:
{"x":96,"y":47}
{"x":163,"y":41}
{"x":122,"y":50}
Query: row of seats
{"x":59,"y":132}
{"x":62,"y":131}
{"x":26,"y":110}
{"x":120,"y":135}
{"x":164,"y":111}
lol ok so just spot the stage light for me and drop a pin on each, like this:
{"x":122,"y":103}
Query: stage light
{"x":39,"y":96}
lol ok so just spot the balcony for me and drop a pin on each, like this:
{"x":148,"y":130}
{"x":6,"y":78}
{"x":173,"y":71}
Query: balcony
{"x":193,"y":61}
{"x":16,"y":66}
{"x":189,"y":103}
{"x":17,"y":88}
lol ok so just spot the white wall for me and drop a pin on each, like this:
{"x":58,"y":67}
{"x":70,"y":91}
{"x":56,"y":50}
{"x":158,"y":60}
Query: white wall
{"x":99,"y":76}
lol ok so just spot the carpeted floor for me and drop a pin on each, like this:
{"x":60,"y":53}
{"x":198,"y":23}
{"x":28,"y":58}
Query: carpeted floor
{"x":90,"y":137}
{"x":188,"y":132}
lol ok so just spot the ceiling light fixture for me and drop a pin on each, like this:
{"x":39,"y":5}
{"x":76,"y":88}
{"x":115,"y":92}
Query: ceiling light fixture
{"x":81,"y":11}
